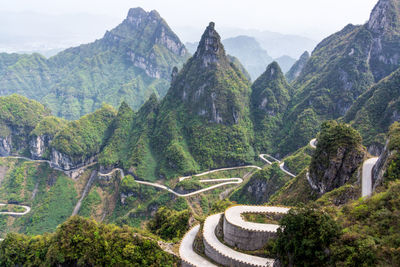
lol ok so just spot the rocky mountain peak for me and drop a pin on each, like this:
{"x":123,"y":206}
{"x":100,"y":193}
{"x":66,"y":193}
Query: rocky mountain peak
{"x":273,"y":71}
{"x":385,"y":16}
{"x":136,"y":16}
{"x":297,"y":67}
{"x":210,"y":49}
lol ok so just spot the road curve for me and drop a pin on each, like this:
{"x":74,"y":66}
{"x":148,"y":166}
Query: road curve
{"x":209,"y":236}
{"x":218,"y":170}
{"x":187,"y":253}
{"x":366,"y":183}
{"x":50,"y":163}
{"x":27,"y":210}
{"x":226,"y":181}
{"x":281,"y":163}
{"x":313,"y":143}
{"x":233,"y":216}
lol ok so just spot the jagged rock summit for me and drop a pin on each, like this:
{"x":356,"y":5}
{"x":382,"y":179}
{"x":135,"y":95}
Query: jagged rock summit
{"x":210,"y":49}
{"x":210,"y":85}
{"x":140,"y":36}
{"x":296,"y":69}
{"x":385,"y":17}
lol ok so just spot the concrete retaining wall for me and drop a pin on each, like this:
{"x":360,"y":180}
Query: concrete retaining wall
{"x":241,"y":238}
{"x":221,"y":259}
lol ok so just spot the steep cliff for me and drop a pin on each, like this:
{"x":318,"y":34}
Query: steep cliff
{"x":387,"y":168}
{"x":375,"y":110}
{"x":18,"y":117}
{"x":340,"y":69}
{"x":204,"y":119}
{"x":297,"y":67}
{"x":338,"y":155}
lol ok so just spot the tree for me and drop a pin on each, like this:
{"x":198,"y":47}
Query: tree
{"x":305,"y":236}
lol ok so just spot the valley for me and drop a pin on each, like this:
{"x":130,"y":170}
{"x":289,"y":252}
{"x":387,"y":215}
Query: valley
{"x":132,"y":151}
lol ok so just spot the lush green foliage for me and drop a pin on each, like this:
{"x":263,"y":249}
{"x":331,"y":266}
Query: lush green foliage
{"x":170,"y":224}
{"x":376,"y":110}
{"x":371,"y":231}
{"x":18,"y":111}
{"x":83,"y":242}
{"x":261,"y":186}
{"x":304,"y":237}
{"x":336,"y":141}
{"x":86,"y":136}
{"x":393,"y":170}
{"x":269,"y":99}
{"x":299,"y":160}
{"x":129,"y":63}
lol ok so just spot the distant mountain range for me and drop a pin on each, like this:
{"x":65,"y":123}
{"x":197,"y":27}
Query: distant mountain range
{"x":132,"y":61}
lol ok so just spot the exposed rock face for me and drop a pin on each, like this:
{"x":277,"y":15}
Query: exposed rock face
{"x":210,"y":48}
{"x":338,"y":155}
{"x":209,"y":84}
{"x":338,"y":171}
{"x":384,"y":24}
{"x":146,"y":59}
{"x":390,"y":153}
{"x":381,"y":165}
{"x":261,"y":186}
{"x":5,"y":145}
{"x":66,"y":163}
{"x":296,"y":69}
{"x":38,"y":146}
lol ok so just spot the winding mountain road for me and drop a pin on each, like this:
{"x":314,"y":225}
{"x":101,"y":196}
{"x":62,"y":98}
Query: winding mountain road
{"x":281,"y":163}
{"x":51,"y":165}
{"x":27,"y":210}
{"x":226,"y":181}
{"x":233,"y":216}
{"x":218,"y":170}
{"x":188,"y":255}
{"x":209,"y":236}
{"x":313,"y":143}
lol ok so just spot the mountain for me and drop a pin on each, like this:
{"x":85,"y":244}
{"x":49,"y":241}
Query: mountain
{"x":250,"y":54}
{"x":204,"y":119}
{"x":285,"y":62}
{"x":297,"y":67}
{"x":132,"y":61}
{"x":203,"y":122}
{"x":375,"y":110}
{"x":270,"y":97}
{"x":340,"y":69}
{"x":18,"y":117}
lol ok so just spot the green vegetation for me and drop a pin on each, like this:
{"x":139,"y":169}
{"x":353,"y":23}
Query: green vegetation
{"x":294,"y":192}
{"x":261,"y":186}
{"x":337,"y":142}
{"x":304,"y":237}
{"x":19,"y":111}
{"x":376,"y":110}
{"x":297,"y":67}
{"x":299,"y":160}
{"x":129,"y":63}
{"x":393,"y":170}
{"x":261,"y":218}
{"x":170,"y":224}
{"x":269,"y":99}
{"x":86,"y":136}
{"x":84,"y":242}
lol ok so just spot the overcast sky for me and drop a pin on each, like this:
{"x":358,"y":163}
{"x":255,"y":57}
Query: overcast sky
{"x":312,"y":18}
